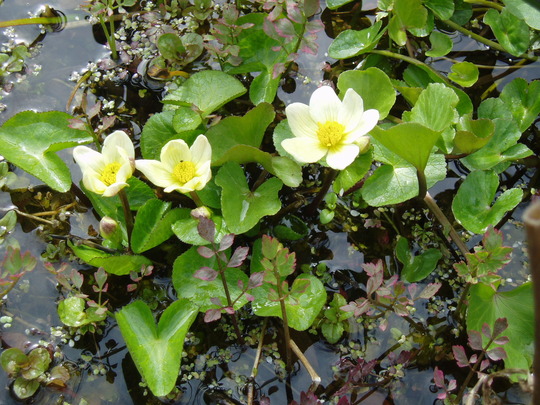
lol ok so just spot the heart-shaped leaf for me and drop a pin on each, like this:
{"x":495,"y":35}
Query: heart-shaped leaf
{"x":472,"y":203}
{"x":521,"y":98}
{"x":243,"y":208}
{"x":157,"y":351}
{"x":511,"y":31}
{"x":464,"y":73}
{"x":351,"y":43}
{"x":416,"y":268}
{"x":29,"y":140}
{"x":441,"y":44}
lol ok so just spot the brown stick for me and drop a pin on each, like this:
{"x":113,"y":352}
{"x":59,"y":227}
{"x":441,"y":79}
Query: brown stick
{"x":531,"y":217}
{"x":313,"y":374}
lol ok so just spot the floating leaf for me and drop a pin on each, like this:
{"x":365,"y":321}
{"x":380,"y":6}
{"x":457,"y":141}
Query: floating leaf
{"x":351,"y":43}
{"x":525,"y":10}
{"x":29,"y":140}
{"x":416,"y":268}
{"x":443,"y":9}
{"x":373,"y":85}
{"x":464,"y":73}
{"x":472,"y":203}
{"x":487,"y":305}
{"x":156,"y":352}
{"x":472,"y":134}
{"x":441,"y":44}
{"x":521,"y":98}
{"x":243,"y":208}
{"x":511,"y":31}
{"x":207,"y":91}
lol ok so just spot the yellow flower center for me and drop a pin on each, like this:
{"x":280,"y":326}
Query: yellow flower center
{"x":330,"y":133}
{"x":108,"y":176}
{"x":184,"y":172}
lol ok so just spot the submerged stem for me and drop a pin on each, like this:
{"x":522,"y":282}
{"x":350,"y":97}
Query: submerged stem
{"x":329,"y":178}
{"x":288,"y":355}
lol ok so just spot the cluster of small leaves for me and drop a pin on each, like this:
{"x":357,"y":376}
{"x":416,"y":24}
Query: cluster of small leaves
{"x":207,"y":231}
{"x":13,"y":267}
{"x":78,"y":310}
{"x":483,"y":265}
{"x":30,"y":370}
{"x":278,"y":263}
{"x":441,"y":383}
{"x":391,"y":294}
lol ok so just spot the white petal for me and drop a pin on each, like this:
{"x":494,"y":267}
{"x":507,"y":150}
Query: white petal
{"x":94,"y":184}
{"x":300,"y":121}
{"x":124,"y":173}
{"x":324,"y":105}
{"x":368,"y":122}
{"x":118,"y":139}
{"x":304,"y":150}
{"x":174,"y":152}
{"x":113,"y":189}
{"x":201,"y":151}
{"x":351,"y":110}
{"x":343,"y":157}
{"x":156,"y":172}
{"x":204,"y":172}
{"x":89,"y":160}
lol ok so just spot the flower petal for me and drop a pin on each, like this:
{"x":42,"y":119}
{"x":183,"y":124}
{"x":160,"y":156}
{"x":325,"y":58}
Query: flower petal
{"x":113,"y":189}
{"x":300,"y":121}
{"x":94,"y":184}
{"x":174,"y":152}
{"x":156,"y":172}
{"x":304,"y":150}
{"x":89,"y":160}
{"x":201,"y":150}
{"x":118,"y":139}
{"x":351,"y":110}
{"x":343,"y":157}
{"x":204,"y":173}
{"x":368,"y":122}
{"x":324,"y":105}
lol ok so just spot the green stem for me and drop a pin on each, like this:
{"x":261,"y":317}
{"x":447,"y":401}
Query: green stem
{"x":485,"y":3}
{"x":410,"y":60}
{"x":30,"y":21}
{"x":112,"y":40}
{"x":195,"y":197}
{"x":422,"y":183}
{"x":127,"y":214}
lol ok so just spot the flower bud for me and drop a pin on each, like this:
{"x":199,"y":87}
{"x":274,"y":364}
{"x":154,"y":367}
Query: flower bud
{"x":201,"y":212}
{"x":107,"y":227}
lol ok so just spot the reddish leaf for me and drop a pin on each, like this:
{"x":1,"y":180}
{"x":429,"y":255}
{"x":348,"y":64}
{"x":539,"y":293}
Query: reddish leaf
{"x":238,"y":257}
{"x":430,"y":290}
{"x":502,"y":340}
{"x":501,"y":324}
{"x":438,"y":377}
{"x":206,"y":228}
{"x":496,"y":354}
{"x":212,"y":315}
{"x":206,"y":274}
{"x":255,"y":280}
{"x":205,"y":251}
{"x":475,"y":340}
{"x":460,"y":356}
{"x":484,"y":364}
{"x":486,"y":330}
{"x":226,"y":242}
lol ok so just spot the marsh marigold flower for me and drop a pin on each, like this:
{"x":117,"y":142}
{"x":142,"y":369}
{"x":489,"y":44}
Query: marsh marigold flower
{"x":329,"y":128}
{"x":107,"y":172}
{"x":180,"y":168}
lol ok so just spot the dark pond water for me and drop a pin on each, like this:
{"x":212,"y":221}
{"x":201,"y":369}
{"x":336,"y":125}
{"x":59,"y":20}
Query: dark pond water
{"x":105,"y":374}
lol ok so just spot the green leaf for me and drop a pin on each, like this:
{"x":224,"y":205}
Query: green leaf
{"x":282,"y":132}
{"x":29,"y":140}
{"x":502,"y":147}
{"x":12,"y":360}
{"x":464,"y":73}
{"x":335,"y":4}
{"x":409,"y":14}
{"x":511,"y":31}
{"x":287,"y":170}
{"x":441,"y":44}
{"x":525,"y":10}
{"x":246,"y":130}
{"x":153,"y":225}
{"x":443,"y":9}
{"x":411,"y":141}
{"x":73,"y":312}
{"x":242,"y":209}
{"x":472,"y":203}
{"x":397,"y":182}
{"x":373,"y":85}
{"x":201,"y":291}
{"x":184,"y":119}
{"x":416,"y":268}
{"x":207,"y":91}
{"x":302,"y":307}
{"x":157,"y":352}
{"x":487,"y":305}
{"x":186,"y":228}
{"x":291,"y":228}
{"x":157,"y":131}
{"x":24,"y":388}
{"x":353,"y":173}
{"x":351,"y":43}
{"x":472,"y":135}
{"x":522,"y":100}
{"x":113,"y":264}
{"x":170,"y":46}
{"x":264,"y":87}
{"x":493,"y":108}
{"x":435,"y":108}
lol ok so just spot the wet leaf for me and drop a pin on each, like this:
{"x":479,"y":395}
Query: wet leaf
{"x":511,"y":32}
{"x":525,"y":10}
{"x":443,"y":9}
{"x":441,"y":44}
{"x":30,"y":141}
{"x":416,"y":268}
{"x":350,"y":43}
{"x":156,"y":351}
{"x":23,"y":388}
{"x":521,"y":98}
{"x":464,"y":73}
{"x":242,"y":208}
{"x":460,"y":356}
{"x":472,"y":205}
{"x":12,"y":360}
{"x":472,"y":135}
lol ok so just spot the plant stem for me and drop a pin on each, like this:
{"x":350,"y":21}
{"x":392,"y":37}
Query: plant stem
{"x":127,"y":215}
{"x":228,"y":294}
{"x":329,"y":178}
{"x":422,"y":183}
{"x":410,"y":60}
{"x":487,"y":3}
{"x":195,"y":197}
{"x":434,"y":208}
{"x":256,"y":363}
{"x":30,"y":21}
{"x":531,"y":217}
{"x":288,"y":356}
{"x":312,"y":373}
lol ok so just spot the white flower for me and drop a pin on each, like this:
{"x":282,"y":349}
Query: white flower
{"x":107,"y":172}
{"x":181,"y":168}
{"x":329,"y":127}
